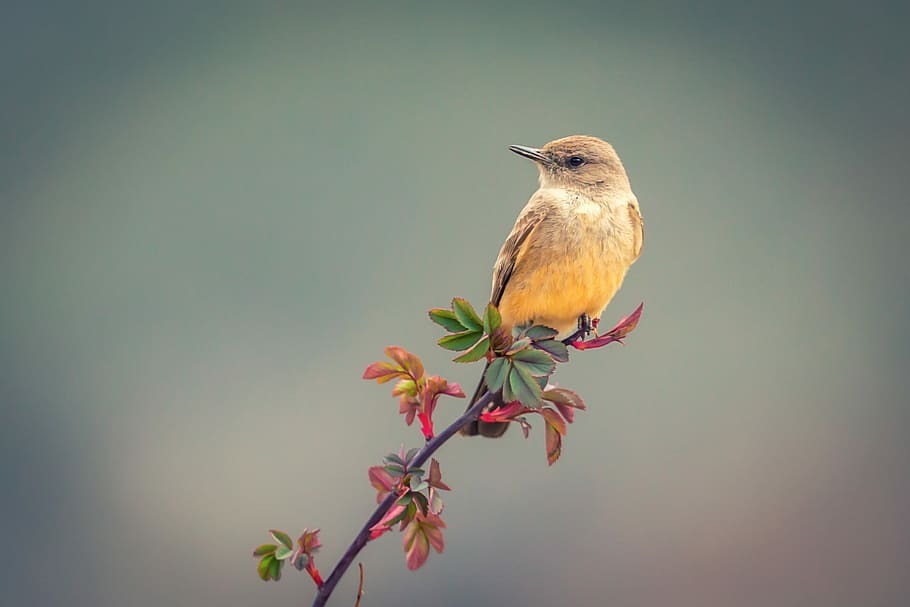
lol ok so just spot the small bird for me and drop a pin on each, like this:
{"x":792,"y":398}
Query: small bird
{"x":571,"y":245}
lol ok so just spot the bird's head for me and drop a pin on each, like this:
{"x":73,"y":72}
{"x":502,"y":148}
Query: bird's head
{"x":577,"y":162}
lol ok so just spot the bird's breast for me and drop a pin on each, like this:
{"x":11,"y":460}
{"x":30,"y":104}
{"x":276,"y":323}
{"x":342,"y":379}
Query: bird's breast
{"x":573,"y":263}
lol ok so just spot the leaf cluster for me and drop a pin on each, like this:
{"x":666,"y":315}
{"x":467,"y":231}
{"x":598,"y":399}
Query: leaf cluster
{"x":417,"y":393}
{"x":273,"y":556}
{"x":418,"y":507}
{"x":561,"y":412}
{"x":520,"y":360}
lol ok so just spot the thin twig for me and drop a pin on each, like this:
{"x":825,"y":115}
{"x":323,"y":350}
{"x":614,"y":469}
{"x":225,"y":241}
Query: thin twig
{"x":360,"y":587}
{"x":361,"y":539}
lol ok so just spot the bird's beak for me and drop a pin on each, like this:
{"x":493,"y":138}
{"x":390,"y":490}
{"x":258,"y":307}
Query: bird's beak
{"x":532,"y":153}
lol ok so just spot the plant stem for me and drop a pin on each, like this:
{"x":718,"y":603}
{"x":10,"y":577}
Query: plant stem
{"x":363,"y":537}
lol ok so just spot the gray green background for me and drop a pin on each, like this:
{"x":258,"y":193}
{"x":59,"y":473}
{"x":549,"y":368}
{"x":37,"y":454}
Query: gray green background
{"x":214,"y":215}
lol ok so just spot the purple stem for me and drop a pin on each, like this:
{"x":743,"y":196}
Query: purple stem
{"x":364,"y":536}
{"x":422,"y":456}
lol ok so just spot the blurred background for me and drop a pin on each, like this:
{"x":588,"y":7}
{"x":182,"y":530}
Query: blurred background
{"x":216,"y":214}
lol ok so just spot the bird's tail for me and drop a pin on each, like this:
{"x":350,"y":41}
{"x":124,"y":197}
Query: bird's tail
{"x":488,"y":429}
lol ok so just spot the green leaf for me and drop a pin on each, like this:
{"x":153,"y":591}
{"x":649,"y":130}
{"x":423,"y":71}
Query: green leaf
{"x":393,"y":458}
{"x":264,"y":549}
{"x":556,"y":349}
{"x":421,"y":486}
{"x":476,"y":353}
{"x":507,"y":394}
{"x":282,"y":538}
{"x":405,"y":387}
{"x":395,"y":470}
{"x":263,"y":567}
{"x":275,"y":569}
{"x":460,"y":341}
{"x":496,"y":374}
{"x":405,"y":499}
{"x":492,"y":320}
{"x":436,"y":504}
{"x":466,"y":315}
{"x":301,"y":562}
{"x":283,"y":552}
{"x":518,"y":330}
{"x":518,"y":346}
{"x":536,"y":362}
{"x":410,"y":454}
{"x":524,"y":387}
{"x":538,"y":332}
{"x":422,"y":502}
{"x":447,"y":320}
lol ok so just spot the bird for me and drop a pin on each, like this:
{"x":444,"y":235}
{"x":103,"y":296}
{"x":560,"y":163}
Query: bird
{"x":570,"y":248}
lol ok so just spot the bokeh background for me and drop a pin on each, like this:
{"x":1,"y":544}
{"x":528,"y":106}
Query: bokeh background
{"x":215,"y":214}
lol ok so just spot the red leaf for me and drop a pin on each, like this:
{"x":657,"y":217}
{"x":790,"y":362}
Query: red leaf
{"x":627,"y":324}
{"x":423,"y":532}
{"x":382,"y":481}
{"x":416,"y":546}
{"x":409,"y":408}
{"x":553,"y":419}
{"x":435,"y":479}
{"x":409,"y":362}
{"x":385,"y":524}
{"x":554,"y":444}
{"x":567,"y":412}
{"x":504,"y":414}
{"x":417,"y":394}
{"x":302,"y":557}
{"x":383,"y":372}
{"x":556,"y":427}
{"x":566,"y":401}
{"x":564,"y":396}
{"x":434,"y":534}
{"x":617,"y":333}
{"x":453,"y":389}
{"x":308,"y":542}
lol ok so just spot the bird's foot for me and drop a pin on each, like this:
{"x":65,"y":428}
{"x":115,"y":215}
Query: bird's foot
{"x":586,"y":325}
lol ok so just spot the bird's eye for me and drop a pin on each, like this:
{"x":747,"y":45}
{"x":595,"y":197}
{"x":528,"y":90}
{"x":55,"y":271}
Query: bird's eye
{"x":576,"y":161}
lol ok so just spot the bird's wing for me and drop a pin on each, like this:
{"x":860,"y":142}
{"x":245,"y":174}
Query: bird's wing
{"x":638,"y":227}
{"x":530,"y":217}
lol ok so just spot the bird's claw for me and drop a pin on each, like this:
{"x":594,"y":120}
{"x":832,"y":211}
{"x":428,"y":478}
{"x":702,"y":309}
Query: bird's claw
{"x":587,"y":325}
{"x":617,"y":333}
